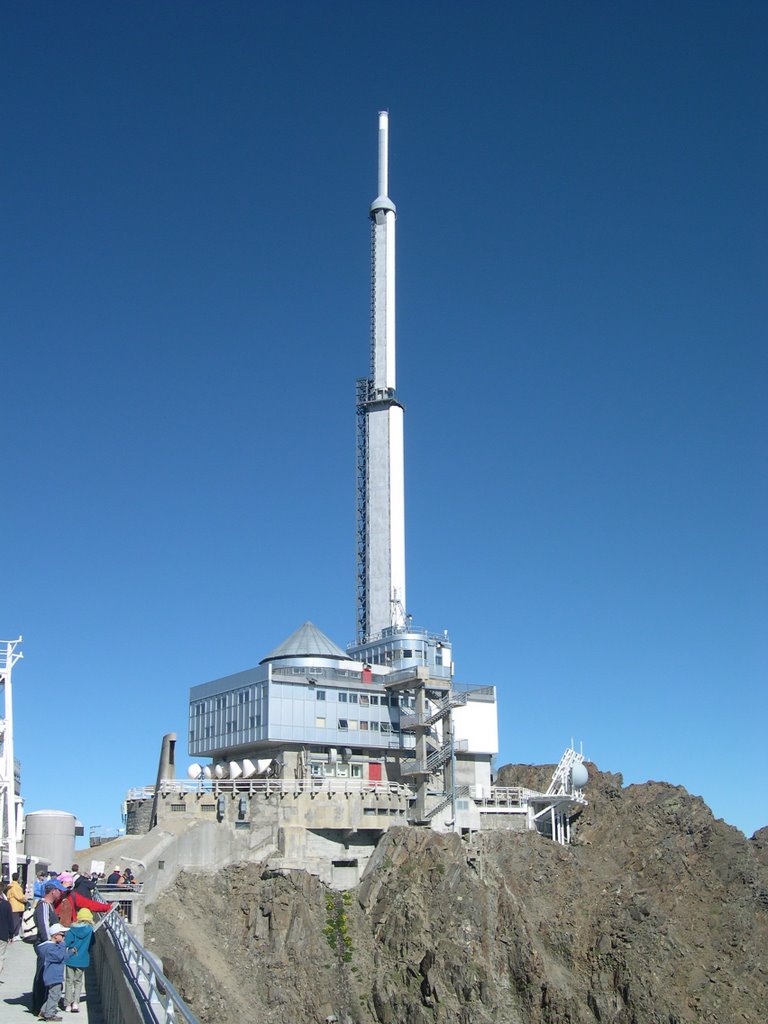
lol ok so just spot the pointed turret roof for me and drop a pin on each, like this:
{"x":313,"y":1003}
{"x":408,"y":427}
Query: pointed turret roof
{"x":307,"y":642}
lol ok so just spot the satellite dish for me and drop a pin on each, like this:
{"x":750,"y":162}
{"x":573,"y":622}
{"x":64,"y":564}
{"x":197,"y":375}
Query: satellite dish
{"x":263,"y":765}
{"x":220,"y":771}
{"x":235,"y":771}
{"x":249,"y":768}
{"x":207,"y":772}
{"x":194,"y":771}
{"x":579,"y":776}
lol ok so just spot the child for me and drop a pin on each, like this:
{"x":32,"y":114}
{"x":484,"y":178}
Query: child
{"x":79,"y":938}
{"x":53,"y":955}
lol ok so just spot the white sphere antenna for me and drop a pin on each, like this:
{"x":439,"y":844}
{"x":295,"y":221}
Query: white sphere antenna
{"x":195,"y":771}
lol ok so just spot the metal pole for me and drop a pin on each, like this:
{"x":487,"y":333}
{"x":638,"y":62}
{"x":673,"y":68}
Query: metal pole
{"x":9,"y":658}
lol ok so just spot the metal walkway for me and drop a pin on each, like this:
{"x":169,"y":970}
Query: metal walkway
{"x":16,"y":990}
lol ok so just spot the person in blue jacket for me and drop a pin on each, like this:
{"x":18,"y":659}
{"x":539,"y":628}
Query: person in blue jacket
{"x":53,"y":955}
{"x":79,"y":938}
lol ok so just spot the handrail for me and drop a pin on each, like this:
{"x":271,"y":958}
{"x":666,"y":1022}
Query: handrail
{"x":156,"y":995}
{"x":267,"y":787}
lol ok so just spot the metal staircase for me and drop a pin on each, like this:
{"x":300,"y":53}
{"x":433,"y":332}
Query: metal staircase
{"x":433,"y":763}
{"x":410,"y":720}
{"x":449,"y":798}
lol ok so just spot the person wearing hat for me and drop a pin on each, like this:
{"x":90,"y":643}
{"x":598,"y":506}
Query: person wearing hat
{"x":53,"y":955}
{"x":79,"y":938}
{"x":116,"y":878}
{"x":45,"y":919}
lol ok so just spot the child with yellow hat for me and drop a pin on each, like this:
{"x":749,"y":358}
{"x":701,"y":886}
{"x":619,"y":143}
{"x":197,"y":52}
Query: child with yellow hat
{"x":79,"y":938}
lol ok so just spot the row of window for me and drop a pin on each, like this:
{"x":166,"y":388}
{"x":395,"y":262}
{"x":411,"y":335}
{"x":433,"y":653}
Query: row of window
{"x":367,"y":699}
{"x":337,"y":770}
{"x":254,"y":722}
{"x":352,"y":725}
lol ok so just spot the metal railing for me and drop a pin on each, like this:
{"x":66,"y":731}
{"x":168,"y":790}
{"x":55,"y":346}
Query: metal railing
{"x":268,"y":787}
{"x":132,"y":986}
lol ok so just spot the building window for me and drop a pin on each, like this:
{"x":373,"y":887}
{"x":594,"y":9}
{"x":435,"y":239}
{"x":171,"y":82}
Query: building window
{"x":221,"y":702}
{"x":364,"y":726}
{"x":374,"y":726}
{"x":343,"y":698}
{"x":242,"y":697}
{"x":319,"y":722}
{"x":320,"y":694}
{"x":394,"y":700}
{"x":374,"y":699}
{"x":198,"y":709}
{"x":178,"y":808}
{"x":353,"y":723}
{"x":356,"y":771}
{"x":385,"y":727}
{"x":353,"y":698}
{"x":343,"y":724}
{"x":364,"y":698}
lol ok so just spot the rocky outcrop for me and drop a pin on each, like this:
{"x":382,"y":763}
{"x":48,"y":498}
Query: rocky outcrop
{"x":657,"y":914}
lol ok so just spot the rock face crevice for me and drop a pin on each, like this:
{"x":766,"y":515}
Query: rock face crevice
{"x":657,"y":914}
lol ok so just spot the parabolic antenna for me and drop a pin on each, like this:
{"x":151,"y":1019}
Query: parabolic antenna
{"x":207,"y":772}
{"x":235,"y":771}
{"x":579,"y":776}
{"x":220,"y":771}
{"x":194,"y":771}
{"x":249,"y":768}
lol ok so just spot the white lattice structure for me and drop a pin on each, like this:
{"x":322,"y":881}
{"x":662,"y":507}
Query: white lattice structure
{"x":10,"y":804}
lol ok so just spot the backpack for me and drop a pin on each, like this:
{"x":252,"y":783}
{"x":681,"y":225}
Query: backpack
{"x":29,"y":926}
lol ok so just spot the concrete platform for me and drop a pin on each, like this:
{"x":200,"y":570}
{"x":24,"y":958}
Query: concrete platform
{"x":16,"y":990}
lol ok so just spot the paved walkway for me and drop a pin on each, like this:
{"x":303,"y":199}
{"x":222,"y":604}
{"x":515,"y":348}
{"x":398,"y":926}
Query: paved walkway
{"x":16,"y":990}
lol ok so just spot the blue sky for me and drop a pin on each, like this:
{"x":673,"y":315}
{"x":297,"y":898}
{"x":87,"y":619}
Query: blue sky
{"x":581,"y":352}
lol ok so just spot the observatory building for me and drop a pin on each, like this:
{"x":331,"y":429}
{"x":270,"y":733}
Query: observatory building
{"x":310,"y":709}
{"x":316,"y":751}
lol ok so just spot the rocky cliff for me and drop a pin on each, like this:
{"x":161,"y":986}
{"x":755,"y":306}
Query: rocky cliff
{"x":657,"y":914}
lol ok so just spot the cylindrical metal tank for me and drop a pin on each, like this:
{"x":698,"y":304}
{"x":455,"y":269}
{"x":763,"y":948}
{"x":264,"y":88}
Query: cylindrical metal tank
{"x":50,"y":836}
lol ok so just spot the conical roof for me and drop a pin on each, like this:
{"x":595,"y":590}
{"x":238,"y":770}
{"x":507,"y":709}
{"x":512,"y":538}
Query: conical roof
{"x":307,"y":642}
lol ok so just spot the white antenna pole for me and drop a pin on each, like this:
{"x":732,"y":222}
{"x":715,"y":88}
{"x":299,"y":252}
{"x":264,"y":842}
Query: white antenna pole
{"x":383,"y":153}
{"x":8,"y":658}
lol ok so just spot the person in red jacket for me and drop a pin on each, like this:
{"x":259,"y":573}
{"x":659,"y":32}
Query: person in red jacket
{"x":71,"y":901}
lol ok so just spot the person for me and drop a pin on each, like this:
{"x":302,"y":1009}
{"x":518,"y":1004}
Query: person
{"x":79,"y":938}
{"x":116,"y":877}
{"x":18,"y":901}
{"x":7,"y":925}
{"x":52,"y":955}
{"x":72,"y":900}
{"x":45,"y":920}
{"x":39,"y":890}
{"x":83,"y":884}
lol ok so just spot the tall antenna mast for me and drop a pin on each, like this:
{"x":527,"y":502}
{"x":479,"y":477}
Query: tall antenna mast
{"x":8,"y":658}
{"x":380,"y":453}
